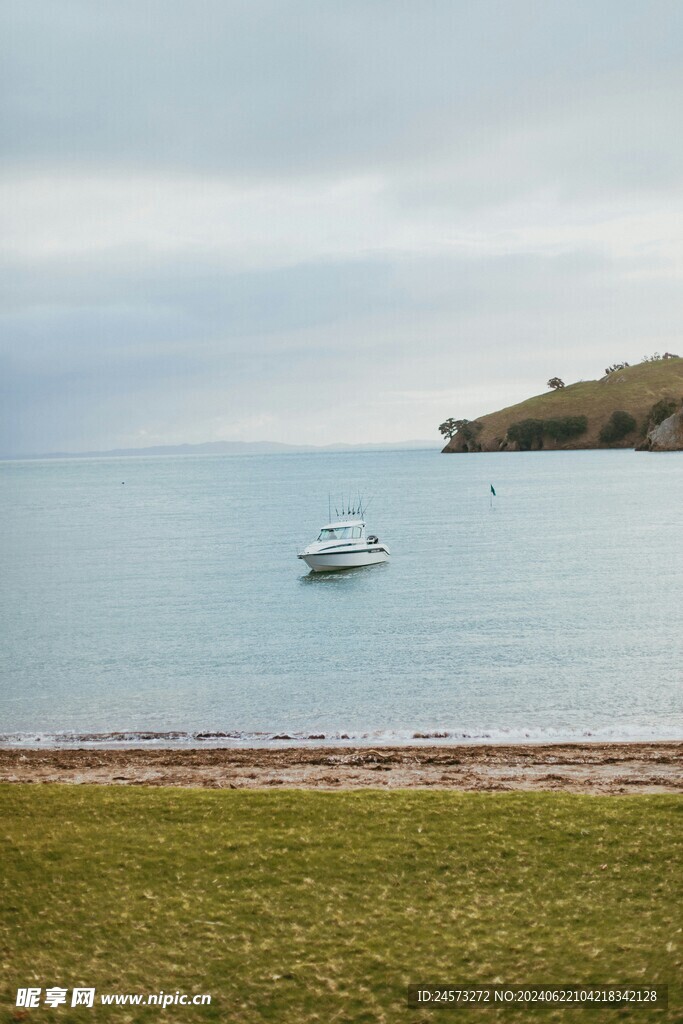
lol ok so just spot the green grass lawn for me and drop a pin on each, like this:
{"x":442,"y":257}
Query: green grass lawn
{"x":305,"y":906}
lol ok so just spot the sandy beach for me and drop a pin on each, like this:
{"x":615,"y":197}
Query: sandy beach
{"x":608,"y":768}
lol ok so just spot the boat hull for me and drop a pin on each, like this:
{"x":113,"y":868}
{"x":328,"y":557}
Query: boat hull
{"x":336,"y":561}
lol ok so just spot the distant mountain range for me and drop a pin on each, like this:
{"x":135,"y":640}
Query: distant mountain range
{"x":233,"y":448}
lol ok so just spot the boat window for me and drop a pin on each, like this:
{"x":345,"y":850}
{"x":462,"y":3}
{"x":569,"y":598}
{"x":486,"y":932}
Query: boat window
{"x":341,"y":533}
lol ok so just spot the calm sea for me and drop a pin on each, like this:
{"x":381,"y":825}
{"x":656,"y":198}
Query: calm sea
{"x":164,"y":596}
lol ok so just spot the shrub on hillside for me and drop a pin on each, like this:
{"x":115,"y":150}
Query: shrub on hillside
{"x":526,"y":434}
{"x":470,"y":429}
{"x":468,"y":435}
{"x":617,"y":427}
{"x":564,"y":427}
{"x":661,"y":411}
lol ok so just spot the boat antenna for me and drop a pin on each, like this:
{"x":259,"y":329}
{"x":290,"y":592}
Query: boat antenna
{"x":329,"y":507}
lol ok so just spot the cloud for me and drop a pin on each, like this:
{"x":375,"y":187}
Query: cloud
{"x":327,"y":222}
{"x":264,"y":89}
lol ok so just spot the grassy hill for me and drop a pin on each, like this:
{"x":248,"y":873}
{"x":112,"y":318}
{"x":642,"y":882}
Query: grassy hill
{"x":633,"y":390}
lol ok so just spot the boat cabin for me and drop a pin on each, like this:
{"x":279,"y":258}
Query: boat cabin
{"x":348,"y":530}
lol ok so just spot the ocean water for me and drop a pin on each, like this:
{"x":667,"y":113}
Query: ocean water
{"x":161,"y":599}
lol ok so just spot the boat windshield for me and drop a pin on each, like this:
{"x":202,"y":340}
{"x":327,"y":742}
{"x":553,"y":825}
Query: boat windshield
{"x":341,"y":533}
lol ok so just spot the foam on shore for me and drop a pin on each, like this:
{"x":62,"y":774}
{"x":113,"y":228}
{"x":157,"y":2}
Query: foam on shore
{"x":283,"y":738}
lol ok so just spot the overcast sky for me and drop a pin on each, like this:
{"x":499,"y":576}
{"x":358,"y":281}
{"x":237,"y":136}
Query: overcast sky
{"x":328,"y":220}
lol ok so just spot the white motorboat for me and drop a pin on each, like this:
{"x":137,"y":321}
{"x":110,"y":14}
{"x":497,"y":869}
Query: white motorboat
{"x":344,"y":545}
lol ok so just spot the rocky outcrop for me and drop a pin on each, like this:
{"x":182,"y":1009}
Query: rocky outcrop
{"x":667,"y":437}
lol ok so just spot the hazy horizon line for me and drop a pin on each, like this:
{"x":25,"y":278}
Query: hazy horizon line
{"x":225,"y":448}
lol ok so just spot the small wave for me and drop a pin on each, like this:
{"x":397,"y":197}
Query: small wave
{"x":383,"y":737}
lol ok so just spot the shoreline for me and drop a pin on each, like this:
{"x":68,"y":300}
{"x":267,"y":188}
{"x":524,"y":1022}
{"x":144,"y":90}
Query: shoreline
{"x":203,"y":739}
{"x":613,"y":768}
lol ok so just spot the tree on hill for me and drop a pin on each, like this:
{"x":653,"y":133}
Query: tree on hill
{"x":555,"y":383}
{"x":449,"y":428}
{"x":656,"y":357}
{"x":615,"y":366}
{"x":466,"y":428}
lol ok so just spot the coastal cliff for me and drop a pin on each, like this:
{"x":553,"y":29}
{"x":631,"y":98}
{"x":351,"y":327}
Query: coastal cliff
{"x":620,"y":410}
{"x":667,"y":437}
